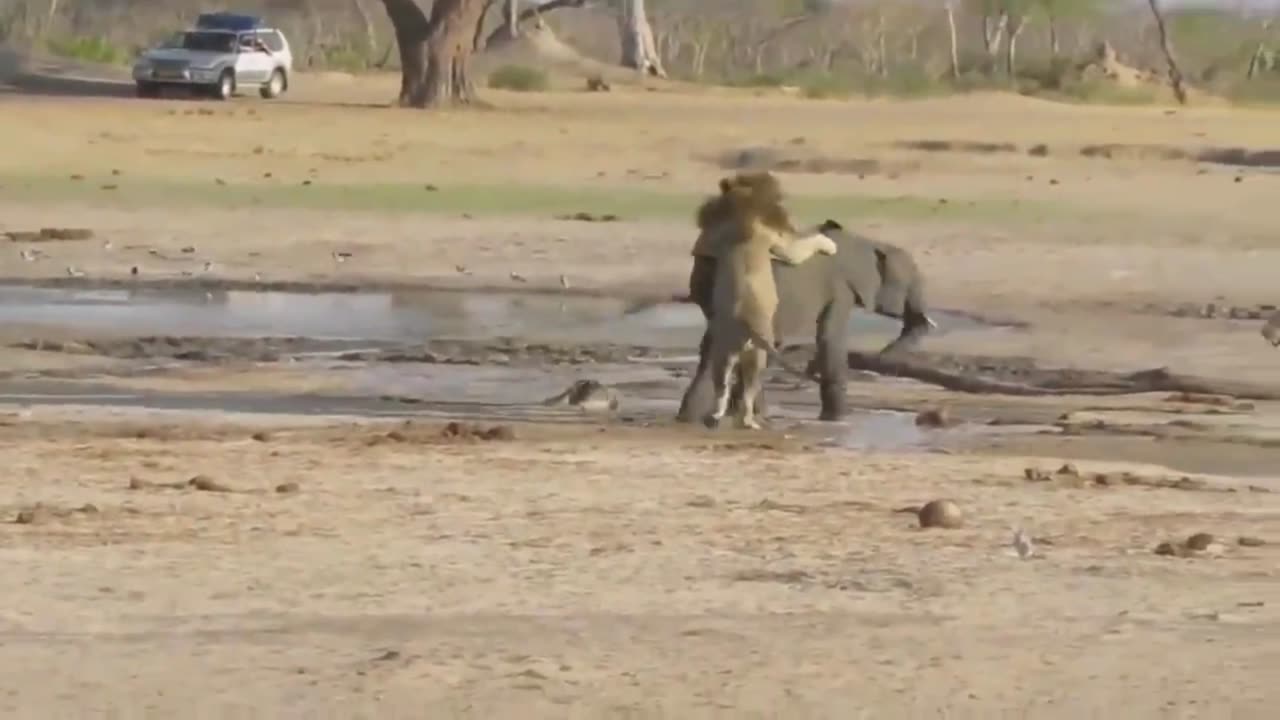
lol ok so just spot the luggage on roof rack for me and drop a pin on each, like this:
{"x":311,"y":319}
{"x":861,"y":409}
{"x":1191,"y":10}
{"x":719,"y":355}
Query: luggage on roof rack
{"x":232,"y":22}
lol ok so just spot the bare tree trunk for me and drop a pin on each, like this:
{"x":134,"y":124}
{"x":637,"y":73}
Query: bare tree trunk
{"x":700,"y":49}
{"x":955,"y":51}
{"x":1255,"y":62}
{"x":1166,"y":47}
{"x":478,"y":40}
{"x":449,"y":40}
{"x":513,"y":19}
{"x":53,"y":15}
{"x":993,"y":33}
{"x":1055,"y":48}
{"x":1016,"y":26}
{"x":411,"y":38}
{"x":370,"y":31}
{"x":638,"y":48}
{"x":1259,"y":60}
{"x":882,"y":59}
{"x":510,"y":30}
{"x":435,"y":53}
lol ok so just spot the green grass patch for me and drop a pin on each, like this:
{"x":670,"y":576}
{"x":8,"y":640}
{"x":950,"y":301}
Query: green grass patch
{"x":87,"y":49}
{"x":486,"y":200}
{"x":519,"y":78}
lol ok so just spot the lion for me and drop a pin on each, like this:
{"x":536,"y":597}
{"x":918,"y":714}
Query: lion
{"x":747,"y":226}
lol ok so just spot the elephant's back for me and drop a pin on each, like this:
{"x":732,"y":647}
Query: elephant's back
{"x":803,"y":291}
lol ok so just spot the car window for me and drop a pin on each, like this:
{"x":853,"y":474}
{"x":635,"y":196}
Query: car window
{"x":209,"y":41}
{"x":273,"y":40}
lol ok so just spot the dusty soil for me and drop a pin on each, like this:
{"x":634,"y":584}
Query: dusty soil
{"x":379,"y":570}
{"x":595,"y":569}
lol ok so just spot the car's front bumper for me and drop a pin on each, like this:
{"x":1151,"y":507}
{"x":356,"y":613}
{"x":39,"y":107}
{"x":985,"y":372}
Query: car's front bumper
{"x":187,"y":76}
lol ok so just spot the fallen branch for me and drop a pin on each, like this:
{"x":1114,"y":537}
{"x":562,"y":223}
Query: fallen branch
{"x":1088,"y":383}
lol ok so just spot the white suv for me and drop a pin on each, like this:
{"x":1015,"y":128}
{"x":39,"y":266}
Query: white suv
{"x":222,"y":54}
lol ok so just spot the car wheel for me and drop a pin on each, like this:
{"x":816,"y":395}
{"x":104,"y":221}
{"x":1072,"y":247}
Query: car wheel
{"x":226,"y":86}
{"x":274,"y":86}
{"x":148,"y":89}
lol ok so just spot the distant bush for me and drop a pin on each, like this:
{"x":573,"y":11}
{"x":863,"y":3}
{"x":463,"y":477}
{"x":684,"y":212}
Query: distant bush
{"x":519,"y":78}
{"x":1106,"y":93}
{"x":344,"y":58}
{"x":88,"y":49}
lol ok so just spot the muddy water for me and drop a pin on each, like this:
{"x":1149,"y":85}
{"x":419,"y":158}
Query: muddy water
{"x":378,"y":316}
{"x":503,"y":386}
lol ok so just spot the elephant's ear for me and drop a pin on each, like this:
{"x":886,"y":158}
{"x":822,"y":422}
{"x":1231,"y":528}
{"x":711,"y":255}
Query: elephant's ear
{"x":829,"y":225}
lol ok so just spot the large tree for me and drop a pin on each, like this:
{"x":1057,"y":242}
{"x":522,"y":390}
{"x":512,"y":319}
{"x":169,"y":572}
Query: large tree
{"x":435,"y":51}
{"x":639,"y":50}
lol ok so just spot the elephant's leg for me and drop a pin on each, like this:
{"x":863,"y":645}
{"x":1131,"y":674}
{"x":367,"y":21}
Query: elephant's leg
{"x":901,"y":296}
{"x":696,"y":402}
{"x":833,"y":358}
{"x":915,"y":325}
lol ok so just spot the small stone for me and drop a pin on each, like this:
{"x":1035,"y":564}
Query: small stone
{"x":27,"y":516}
{"x":701,"y":501}
{"x":1199,"y":541}
{"x":288,"y":488}
{"x":1247,"y":541}
{"x":940,"y":514}
{"x":933,"y":418}
{"x":261,"y":437}
{"x":1068,"y":470}
{"x":1168,"y":549}
{"x":499,"y":432}
{"x":205,"y":483}
{"x":1036,"y":475}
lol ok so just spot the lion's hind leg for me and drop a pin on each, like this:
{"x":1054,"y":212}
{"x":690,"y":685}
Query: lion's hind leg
{"x":724,"y":360}
{"x":753,"y":363}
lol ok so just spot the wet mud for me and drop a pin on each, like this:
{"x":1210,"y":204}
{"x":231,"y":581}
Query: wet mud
{"x":500,"y":357}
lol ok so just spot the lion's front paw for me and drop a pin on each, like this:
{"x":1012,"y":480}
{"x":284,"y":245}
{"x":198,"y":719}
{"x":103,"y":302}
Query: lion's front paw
{"x":828,"y":248}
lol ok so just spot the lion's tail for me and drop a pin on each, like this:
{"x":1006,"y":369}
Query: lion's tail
{"x":776,"y":356}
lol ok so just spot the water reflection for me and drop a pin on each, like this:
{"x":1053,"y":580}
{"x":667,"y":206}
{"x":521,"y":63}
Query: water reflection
{"x":408,"y":316}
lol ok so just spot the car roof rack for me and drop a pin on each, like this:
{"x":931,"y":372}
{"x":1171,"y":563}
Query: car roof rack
{"x":232,"y":22}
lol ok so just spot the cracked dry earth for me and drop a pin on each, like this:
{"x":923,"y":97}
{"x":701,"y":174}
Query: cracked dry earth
{"x":386,"y":570}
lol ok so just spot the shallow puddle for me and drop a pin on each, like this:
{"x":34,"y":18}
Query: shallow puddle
{"x":380,"y":316}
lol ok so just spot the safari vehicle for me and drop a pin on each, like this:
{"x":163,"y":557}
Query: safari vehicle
{"x":222,"y":54}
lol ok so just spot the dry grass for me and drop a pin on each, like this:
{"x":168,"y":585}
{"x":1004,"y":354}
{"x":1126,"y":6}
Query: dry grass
{"x":639,"y":574}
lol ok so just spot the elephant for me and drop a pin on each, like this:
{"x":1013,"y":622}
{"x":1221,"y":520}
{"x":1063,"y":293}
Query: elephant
{"x":820,"y":293}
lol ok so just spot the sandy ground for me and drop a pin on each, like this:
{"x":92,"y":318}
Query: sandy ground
{"x":601,"y":571}
{"x":744,"y":578}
